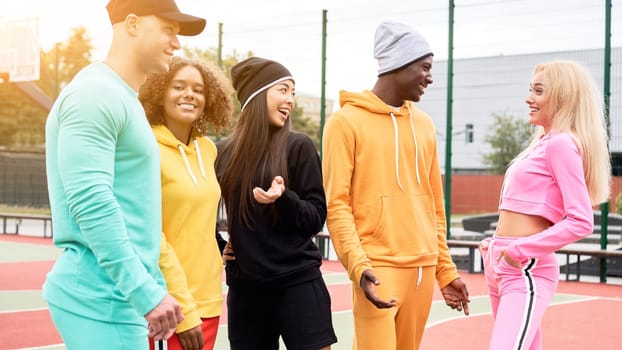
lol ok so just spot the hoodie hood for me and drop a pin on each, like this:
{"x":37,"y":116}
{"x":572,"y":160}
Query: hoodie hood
{"x":368,"y":101}
{"x":166,"y":138}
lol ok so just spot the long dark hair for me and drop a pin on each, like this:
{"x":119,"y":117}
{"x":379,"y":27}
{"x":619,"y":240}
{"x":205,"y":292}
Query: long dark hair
{"x":255,"y":153}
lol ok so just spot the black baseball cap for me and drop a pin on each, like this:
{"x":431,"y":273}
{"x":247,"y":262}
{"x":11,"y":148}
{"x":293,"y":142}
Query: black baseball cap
{"x":167,"y":9}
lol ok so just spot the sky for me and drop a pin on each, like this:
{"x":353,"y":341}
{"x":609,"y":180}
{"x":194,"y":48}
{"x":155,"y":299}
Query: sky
{"x":290,"y":31}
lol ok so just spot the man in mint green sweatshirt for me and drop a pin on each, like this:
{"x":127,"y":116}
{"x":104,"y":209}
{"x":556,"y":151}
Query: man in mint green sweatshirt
{"x":106,"y":291}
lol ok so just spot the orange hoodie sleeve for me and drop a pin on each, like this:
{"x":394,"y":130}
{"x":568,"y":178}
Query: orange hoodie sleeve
{"x":446,"y":270}
{"x":338,"y":145}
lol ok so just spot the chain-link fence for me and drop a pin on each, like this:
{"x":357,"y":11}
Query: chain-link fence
{"x":22,"y":180}
{"x":496,"y":44}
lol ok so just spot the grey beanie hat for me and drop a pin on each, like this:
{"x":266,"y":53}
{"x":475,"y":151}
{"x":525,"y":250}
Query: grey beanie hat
{"x":397,"y":45}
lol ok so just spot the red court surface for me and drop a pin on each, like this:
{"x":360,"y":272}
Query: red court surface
{"x":592,"y":320}
{"x":23,"y":275}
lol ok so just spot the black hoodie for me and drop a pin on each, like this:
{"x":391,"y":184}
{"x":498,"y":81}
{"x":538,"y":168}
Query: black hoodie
{"x":280,"y":251}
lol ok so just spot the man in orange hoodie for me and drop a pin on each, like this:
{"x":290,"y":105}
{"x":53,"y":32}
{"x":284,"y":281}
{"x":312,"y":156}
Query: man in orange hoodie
{"x":384,"y":194}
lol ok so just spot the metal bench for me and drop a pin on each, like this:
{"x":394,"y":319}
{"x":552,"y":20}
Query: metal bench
{"x":595,"y":253}
{"x":471,"y":245}
{"x":322,"y":240}
{"x":18,"y":217}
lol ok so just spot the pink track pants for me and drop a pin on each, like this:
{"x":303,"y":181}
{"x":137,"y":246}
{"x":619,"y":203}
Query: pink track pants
{"x":519,"y":297}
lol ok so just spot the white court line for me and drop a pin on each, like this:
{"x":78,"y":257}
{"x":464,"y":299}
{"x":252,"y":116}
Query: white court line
{"x":22,"y":310}
{"x":442,"y":301}
{"x":461,"y":316}
{"x":580,"y":299}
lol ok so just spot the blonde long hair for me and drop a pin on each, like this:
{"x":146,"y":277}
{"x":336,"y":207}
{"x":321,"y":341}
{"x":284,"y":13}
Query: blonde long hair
{"x":577,"y":109}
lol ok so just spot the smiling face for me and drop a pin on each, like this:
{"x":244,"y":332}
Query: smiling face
{"x":415,"y":78}
{"x":156,"y":41}
{"x":538,"y":101}
{"x":280,"y":101}
{"x":184,"y":101}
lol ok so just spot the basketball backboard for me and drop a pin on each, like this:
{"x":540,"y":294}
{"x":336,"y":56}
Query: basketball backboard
{"x":19,"y":49}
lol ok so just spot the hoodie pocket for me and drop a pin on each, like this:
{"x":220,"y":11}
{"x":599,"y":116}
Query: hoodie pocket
{"x":503,"y":268}
{"x":407,"y":227}
{"x":485,"y":249}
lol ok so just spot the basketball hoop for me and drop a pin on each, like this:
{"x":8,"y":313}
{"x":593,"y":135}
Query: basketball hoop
{"x":19,"y":50}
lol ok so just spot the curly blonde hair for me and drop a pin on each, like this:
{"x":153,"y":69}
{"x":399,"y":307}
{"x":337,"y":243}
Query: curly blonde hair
{"x":218,"y":109}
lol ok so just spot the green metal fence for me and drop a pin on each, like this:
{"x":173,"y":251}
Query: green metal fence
{"x":484,"y":51}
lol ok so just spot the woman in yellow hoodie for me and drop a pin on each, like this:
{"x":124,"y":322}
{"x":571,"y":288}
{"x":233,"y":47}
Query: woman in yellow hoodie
{"x":180,"y":105}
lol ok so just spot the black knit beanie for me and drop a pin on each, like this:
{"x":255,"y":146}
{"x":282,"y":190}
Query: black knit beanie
{"x":254,"y":75}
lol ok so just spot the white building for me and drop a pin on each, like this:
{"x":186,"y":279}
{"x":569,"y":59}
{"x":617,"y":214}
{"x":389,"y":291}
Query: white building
{"x":311,"y":106}
{"x":486,"y":85}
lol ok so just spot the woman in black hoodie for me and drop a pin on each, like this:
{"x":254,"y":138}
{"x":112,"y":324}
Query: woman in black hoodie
{"x":271,"y":183}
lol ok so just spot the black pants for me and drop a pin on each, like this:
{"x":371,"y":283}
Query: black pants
{"x":300,"y":314}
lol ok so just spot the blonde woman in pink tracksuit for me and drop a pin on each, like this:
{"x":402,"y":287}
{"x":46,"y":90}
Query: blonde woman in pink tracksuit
{"x":546,"y":200}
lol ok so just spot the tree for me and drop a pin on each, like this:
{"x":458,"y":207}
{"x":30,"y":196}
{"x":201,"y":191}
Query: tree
{"x":16,"y":111}
{"x":60,"y":64}
{"x":306,"y":125}
{"x":22,"y":122}
{"x":211,"y":55}
{"x":507,"y":136}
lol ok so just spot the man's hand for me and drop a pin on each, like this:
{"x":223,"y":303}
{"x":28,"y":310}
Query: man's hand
{"x":191,"y":339}
{"x":163,"y":319}
{"x":368,"y":283}
{"x":456,"y":296}
{"x":274,"y":192}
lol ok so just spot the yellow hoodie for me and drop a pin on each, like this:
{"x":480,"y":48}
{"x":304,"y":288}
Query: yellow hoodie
{"x":383,"y":187}
{"x":189,"y":256}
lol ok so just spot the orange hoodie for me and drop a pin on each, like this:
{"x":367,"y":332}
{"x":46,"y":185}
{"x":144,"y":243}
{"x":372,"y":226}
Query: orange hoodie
{"x":383,"y":187}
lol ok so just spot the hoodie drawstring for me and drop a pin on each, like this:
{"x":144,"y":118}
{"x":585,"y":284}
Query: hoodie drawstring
{"x":198,"y":150}
{"x":397,"y":161}
{"x":397,"y":168}
{"x":412,"y":129}
{"x":180,"y":147}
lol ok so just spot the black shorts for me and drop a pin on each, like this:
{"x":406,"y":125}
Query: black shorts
{"x":300,"y":314}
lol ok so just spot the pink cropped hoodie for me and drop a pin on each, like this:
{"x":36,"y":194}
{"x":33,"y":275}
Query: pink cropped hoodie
{"x":549,"y":182}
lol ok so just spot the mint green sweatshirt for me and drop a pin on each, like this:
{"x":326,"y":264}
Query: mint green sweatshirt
{"x":103,"y":172}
